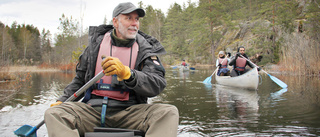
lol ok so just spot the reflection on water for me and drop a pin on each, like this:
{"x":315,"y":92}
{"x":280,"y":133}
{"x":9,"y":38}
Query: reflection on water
{"x":205,"y":110}
{"x":27,"y":89}
{"x":240,"y":102}
{"x":216,"y":110}
{"x":27,"y":104}
{"x":237,"y":107}
{"x":277,"y":96}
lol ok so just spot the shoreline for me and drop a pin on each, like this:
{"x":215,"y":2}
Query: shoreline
{"x":11,"y":69}
{"x":6,"y":71}
{"x":10,"y":73}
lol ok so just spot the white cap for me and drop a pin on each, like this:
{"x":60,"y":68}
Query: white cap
{"x":221,"y":52}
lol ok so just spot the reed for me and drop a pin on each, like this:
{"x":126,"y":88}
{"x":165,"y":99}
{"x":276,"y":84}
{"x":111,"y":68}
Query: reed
{"x":300,"y":55}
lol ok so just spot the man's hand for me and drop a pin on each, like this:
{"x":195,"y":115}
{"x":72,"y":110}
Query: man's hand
{"x":55,"y":103}
{"x":113,"y":66}
{"x":229,"y":54}
{"x":259,"y":68}
{"x":237,"y":55}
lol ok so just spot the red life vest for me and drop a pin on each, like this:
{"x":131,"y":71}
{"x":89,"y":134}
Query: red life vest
{"x":127,"y":55}
{"x":183,"y":63}
{"x":240,"y":64}
{"x":223,"y":62}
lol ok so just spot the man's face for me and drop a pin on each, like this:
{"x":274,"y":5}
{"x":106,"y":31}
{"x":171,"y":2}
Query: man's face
{"x":127,"y":25}
{"x":241,"y":50}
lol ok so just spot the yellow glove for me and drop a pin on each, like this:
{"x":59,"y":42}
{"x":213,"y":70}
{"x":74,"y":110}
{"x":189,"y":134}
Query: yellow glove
{"x":55,"y":103}
{"x":113,"y":66}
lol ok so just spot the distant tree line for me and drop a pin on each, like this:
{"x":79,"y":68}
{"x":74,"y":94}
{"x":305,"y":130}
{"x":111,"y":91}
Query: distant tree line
{"x":25,"y":45}
{"x":192,"y":31}
{"x":283,"y":32}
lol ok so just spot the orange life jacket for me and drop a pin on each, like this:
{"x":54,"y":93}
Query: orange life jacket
{"x":127,"y":55}
{"x":223,"y":62}
{"x":240,"y":64}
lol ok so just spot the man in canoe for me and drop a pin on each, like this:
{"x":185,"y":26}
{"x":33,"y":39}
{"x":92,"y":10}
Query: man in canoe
{"x":239,"y":64}
{"x":133,"y":73}
{"x":184,"y":63}
{"x":222,"y":62}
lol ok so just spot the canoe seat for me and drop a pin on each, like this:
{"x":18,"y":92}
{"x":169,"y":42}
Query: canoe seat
{"x":114,"y":132}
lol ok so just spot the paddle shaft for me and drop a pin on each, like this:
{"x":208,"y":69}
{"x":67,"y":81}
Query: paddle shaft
{"x":224,"y":59}
{"x":214,"y":71}
{"x":254,"y":64}
{"x":248,"y":60}
{"x":80,"y":91}
{"x":276,"y":80}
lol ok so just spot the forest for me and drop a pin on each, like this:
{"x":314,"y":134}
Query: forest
{"x":281,"y":32}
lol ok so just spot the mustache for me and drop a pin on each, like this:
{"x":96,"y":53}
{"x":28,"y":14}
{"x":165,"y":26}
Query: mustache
{"x":133,"y":28}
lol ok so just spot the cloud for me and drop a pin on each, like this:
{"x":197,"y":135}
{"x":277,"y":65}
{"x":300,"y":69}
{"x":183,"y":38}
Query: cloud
{"x":40,"y":13}
{"x":45,"y":14}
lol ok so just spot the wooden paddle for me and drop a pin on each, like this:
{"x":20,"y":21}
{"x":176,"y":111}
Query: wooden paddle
{"x":274,"y":79}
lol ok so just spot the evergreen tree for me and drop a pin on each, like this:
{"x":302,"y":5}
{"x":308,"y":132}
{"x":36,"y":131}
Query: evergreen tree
{"x":211,"y":11}
{"x":152,"y":22}
{"x":46,"y":49}
{"x":67,"y":40}
{"x":173,"y":39}
{"x":6,"y":45}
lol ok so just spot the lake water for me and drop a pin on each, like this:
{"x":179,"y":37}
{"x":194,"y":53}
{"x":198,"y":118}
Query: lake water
{"x":205,"y":110}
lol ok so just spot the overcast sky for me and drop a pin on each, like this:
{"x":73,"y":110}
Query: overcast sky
{"x":46,"y":13}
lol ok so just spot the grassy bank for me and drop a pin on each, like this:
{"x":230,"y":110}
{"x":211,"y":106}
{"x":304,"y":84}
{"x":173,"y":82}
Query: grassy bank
{"x":12,"y":69}
{"x":10,"y":72}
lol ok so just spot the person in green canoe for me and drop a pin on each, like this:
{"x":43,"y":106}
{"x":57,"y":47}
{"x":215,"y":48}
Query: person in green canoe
{"x":133,"y":73}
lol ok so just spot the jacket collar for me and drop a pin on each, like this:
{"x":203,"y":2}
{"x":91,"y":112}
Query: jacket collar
{"x":121,"y":42}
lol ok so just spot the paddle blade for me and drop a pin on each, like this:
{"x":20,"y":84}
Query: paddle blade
{"x":207,"y":80}
{"x":278,"y":81}
{"x":278,"y":94}
{"x":26,"y":131}
{"x":192,"y":68}
{"x":174,"y":67}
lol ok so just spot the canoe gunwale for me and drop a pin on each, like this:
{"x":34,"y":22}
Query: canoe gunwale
{"x":183,"y":68}
{"x":249,"y":80}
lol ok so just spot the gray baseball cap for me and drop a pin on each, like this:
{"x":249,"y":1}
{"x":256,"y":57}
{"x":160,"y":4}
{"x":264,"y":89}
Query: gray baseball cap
{"x":126,"y":8}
